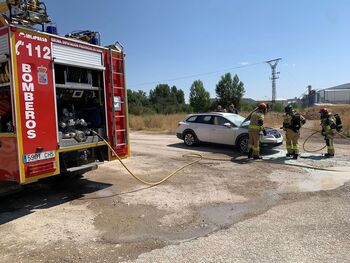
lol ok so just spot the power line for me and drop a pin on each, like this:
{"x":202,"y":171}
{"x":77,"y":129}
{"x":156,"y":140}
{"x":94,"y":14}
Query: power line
{"x":197,"y":75}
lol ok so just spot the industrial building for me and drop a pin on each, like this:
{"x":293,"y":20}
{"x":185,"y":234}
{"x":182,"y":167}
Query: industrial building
{"x":336,"y":95}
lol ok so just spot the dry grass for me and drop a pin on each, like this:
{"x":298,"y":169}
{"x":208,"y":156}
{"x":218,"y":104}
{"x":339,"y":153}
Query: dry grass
{"x":158,"y":122}
{"x":272,"y":119}
{"x":168,"y":123}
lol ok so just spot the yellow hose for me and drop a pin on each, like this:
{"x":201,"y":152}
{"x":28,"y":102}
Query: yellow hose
{"x":314,"y":133}
{"x":198,"y":158}
{"x":307,"y":139}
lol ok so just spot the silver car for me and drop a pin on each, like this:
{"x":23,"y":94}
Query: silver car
{"x":222,"y":128}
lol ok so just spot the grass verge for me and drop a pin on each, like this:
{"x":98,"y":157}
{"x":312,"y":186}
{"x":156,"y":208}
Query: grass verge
{"x":168,"y":123}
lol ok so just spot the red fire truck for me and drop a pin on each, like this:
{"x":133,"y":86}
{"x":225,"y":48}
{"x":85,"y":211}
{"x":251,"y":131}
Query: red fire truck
{"x":56,"y":94}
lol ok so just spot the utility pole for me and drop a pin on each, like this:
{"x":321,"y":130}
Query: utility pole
{"x":273,"y":64}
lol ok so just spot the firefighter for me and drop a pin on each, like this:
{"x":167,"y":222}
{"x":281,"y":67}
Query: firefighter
{"x":291,"y":124}
{"x":328,"y":124}
{"x":256,"y":126}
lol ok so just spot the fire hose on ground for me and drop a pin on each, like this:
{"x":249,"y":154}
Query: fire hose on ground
{"x":314,"y":132}
{"x":198,"y":157}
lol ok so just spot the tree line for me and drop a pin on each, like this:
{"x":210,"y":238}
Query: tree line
{"x":164,"y":99}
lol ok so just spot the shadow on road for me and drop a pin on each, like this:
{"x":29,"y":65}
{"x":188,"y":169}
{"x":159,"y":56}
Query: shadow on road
{"x":45,"y":194}
{"x":220,"y":149}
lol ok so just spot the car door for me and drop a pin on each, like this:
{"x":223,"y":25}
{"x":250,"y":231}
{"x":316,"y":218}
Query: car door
{"x":203,"y":127}
{"x":222,"y":134}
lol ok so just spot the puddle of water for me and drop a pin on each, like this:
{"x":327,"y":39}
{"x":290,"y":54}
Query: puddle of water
{"x":310,"y":180}
{"x":228,"y":214}
{"x":325,"y":180}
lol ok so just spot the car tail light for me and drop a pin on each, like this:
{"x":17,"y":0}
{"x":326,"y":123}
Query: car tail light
{"x":178,"y":125}
{"x":37,"y":169}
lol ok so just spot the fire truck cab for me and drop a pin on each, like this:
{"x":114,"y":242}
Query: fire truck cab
{"x":55,"y":94}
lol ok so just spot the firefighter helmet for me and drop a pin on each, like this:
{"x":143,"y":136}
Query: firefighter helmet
{"x":324,"y":111}
{"x":288,"y":108}
{"x":262,"y":106}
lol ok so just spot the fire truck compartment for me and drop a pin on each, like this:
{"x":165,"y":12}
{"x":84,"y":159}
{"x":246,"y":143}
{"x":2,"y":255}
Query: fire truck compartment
{"x":80,"y":105}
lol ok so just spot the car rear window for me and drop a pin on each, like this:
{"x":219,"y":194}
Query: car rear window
{"x":192,"y":119}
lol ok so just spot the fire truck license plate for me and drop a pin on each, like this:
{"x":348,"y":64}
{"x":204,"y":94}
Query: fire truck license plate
{"x":29,"y":158}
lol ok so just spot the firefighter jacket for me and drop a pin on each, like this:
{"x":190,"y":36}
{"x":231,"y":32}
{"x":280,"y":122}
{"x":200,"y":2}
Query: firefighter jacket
{"x":287,"y":121}
{"x":291,"y":122}
{"x":329,"y":125}
{"x":256,"y":121}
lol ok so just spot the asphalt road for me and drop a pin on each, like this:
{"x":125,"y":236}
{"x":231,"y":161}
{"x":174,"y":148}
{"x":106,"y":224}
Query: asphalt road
{"x":232,"y":211}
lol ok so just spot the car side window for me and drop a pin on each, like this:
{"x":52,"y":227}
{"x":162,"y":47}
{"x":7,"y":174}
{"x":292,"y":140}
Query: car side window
{"x":220,"y":121}
{"x":192,"y":119}
{"x":205,"y":119}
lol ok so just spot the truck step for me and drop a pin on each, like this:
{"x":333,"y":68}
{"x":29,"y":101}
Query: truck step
{"x":93,"y":166}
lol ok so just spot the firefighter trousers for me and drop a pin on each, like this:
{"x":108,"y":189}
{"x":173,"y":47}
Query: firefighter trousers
{"x":330,"y":145}
{"x":292,"y":138}
{"x":254,"y":142}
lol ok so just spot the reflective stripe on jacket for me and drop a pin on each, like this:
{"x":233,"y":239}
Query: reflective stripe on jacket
{"x":329,"y":124}
{"x":257,"y":121}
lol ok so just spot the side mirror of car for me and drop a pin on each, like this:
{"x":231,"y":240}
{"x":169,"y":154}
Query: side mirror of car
{"x":227,"y":125}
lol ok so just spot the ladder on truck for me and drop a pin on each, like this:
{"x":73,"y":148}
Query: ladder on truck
{"x":118,"y":91}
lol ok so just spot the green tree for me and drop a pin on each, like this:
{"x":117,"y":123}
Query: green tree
{"x":177,"y":95}
{"x":277,"y":107}
{"x":230,"y":90}
{"x":180,"y":96}
{"x":199,"y":97}
{"x":167,"y":100}
{"x":161,"y":98}
{"x":139,"y":103}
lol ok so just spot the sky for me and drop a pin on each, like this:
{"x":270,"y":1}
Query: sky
{"x":167,"y":40}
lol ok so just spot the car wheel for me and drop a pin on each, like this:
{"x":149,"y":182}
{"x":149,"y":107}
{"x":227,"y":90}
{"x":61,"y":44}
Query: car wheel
{"x":190,"y":138}
{"x":243,"y":143}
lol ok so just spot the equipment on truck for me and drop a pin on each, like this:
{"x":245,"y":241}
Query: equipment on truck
{"x":86,"y":35}
{"x":26,"y":12}
{"x":56,"y":95}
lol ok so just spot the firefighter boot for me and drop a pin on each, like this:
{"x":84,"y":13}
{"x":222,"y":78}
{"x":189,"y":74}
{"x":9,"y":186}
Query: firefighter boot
{"x":257,"y":157}
{"x":295,"y":156}
{"x":328,"y":155}
{"x":250,"y":153}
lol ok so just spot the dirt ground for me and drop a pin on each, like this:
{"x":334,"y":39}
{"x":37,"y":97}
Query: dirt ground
{"x":107,"y":216}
